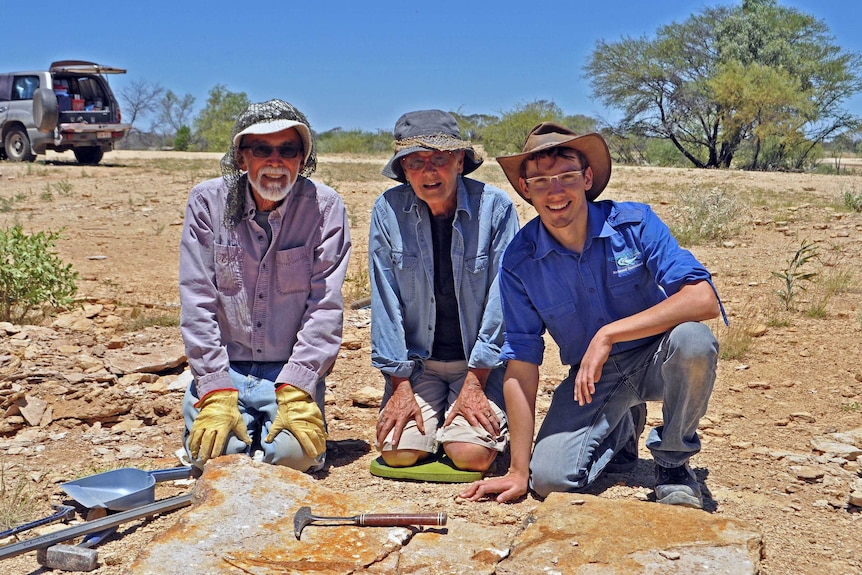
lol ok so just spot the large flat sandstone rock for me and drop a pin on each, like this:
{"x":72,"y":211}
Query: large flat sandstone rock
{"x":241,"y":522}
{"x":587,"y":535}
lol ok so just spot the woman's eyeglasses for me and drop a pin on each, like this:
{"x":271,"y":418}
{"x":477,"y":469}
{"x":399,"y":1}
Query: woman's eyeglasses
{"x":416,"y":163}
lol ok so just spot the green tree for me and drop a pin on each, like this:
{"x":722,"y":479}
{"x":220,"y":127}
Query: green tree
{"x":183,"y":139}
{"x":473,"y":125}
{"x":215,"y":122}
{"x":756,"y":76}
{"x":174,"y":113}
{"x":508,"y":134}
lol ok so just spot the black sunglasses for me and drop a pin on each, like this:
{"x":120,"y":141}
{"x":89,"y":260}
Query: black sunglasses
{"x":286,"y":151}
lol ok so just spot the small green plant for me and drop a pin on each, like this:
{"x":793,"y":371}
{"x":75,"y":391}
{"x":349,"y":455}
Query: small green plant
{"x":16,"y":498}
{"x":834,"y":282}
{"x":853,"y":202}
{"x":793,"y":277}
{"x":707,"y":215}
{"x":141,"y":319}
{"x":8,"y":204}
{"x":64,"y":187}
{"x":357,"y":282}
{"x":33,"y":279}
{"x":734,"y":341}
{"x":158,"y":228}
{"x":852,"y":406}
{"x":47,"y":195}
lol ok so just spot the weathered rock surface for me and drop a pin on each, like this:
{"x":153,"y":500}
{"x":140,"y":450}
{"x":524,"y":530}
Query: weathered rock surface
{"x":589,"y":535}
{"x":242,"y":522}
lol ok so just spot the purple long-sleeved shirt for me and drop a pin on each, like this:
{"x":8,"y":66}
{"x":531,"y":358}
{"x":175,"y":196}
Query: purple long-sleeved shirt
{"x":244,"y":299}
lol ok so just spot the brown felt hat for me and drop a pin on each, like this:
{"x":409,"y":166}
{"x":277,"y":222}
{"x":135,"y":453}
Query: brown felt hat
{"x":549,"y":135}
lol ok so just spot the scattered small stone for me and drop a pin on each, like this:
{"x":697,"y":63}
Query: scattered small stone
{"x":802,"y":416}
{"x":670,"y":555}
{"x":810,"y":474}
{"x":757,"y":330}
{"x":367,"y":396}
{"x":759,"y":385}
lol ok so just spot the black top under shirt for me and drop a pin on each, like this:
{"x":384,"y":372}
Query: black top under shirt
{"x":447,"y":333}
{"x":262,"y":219}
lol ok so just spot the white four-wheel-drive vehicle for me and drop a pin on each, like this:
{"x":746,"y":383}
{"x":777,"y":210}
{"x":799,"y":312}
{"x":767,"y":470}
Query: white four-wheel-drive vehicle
{"x":70,"y":106}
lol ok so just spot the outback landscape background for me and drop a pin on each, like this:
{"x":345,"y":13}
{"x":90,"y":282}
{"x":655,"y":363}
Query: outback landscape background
{"x":789,"y":380}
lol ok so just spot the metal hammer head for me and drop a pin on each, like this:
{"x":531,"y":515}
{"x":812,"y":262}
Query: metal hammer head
{"x":302,"y":518}
{"x":68,"y":558}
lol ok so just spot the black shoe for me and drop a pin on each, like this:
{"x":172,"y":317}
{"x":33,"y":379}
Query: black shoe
{"x":677,"y":486}
{"x":626,"y":459}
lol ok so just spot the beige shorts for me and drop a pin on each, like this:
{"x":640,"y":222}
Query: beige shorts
{"x":435,"y":392}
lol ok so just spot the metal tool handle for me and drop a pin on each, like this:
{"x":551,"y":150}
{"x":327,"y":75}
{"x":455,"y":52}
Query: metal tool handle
{"x":171,"y":474}
{"x":45,"y":541}
{"x":401,"y":519}
{"x":63,"y":512}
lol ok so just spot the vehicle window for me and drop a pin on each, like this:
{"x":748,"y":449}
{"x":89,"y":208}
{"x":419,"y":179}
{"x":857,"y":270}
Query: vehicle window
{"x":5,"y":87}
{"x":23,"y":87}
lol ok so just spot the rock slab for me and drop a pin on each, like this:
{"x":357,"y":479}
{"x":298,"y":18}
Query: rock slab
{"x":587,"y":535}
{"x":241,"y":521}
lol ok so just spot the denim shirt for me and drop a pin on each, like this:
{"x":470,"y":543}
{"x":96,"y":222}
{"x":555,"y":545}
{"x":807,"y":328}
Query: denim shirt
{"x":401,"y":269}
{"x":630,"y":262}
{"x":246,"y":300}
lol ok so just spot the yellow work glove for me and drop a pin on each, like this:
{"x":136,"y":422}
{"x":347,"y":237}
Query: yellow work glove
{"x":219,"y":416}
{"x":299,"y":414}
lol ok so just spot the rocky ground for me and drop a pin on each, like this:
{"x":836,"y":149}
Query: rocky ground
{"x":100,"y":386}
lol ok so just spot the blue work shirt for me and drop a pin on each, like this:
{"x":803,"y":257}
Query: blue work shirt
{"x":630,"y":262}
{"x":401,"y":269}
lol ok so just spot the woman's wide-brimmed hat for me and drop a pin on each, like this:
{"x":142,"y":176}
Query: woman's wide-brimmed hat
{"x":425,"y":130}
{"x":549,"y":135}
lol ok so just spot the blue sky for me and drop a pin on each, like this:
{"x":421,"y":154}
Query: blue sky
{"x":354,"y":64}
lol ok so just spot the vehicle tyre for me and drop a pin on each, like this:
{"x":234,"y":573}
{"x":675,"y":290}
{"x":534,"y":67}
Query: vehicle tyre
{"x":46,"y":111}
{"x":17,"y":146}
{"x":90,"y":155}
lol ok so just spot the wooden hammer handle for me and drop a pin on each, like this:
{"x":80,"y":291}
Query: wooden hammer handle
{"x":401,"y":519}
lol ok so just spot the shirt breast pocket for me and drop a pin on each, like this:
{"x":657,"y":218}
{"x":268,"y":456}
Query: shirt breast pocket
{"x":627,"y":290}
{"x":292,"y":271}
{"x":562,"y":322}
{"x":228,"y":269}
{"x":404,"y":267}
{"x":477,"y":274}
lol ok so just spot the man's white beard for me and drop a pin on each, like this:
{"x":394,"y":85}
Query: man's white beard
{"x":271,"y":190}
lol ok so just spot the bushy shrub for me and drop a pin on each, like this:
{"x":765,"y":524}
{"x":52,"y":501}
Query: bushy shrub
{"x":183,"y":139}
{"x":853,"y":201}
{"x":707,"y":215}
{"x":33,"y":279}
{"x":340,"y":141}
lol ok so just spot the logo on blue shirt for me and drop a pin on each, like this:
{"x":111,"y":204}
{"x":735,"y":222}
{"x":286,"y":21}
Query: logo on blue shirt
{"x":626,"y":262}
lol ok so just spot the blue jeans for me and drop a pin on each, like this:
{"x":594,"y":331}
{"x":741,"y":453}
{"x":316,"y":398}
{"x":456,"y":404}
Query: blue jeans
{"x":575,"y":443}
{"x":258,"y":406}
